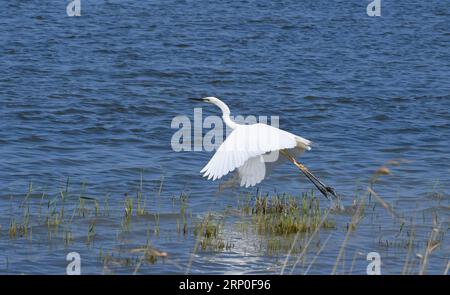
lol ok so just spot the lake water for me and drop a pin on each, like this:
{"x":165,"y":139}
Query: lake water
{"x":92,"y":98}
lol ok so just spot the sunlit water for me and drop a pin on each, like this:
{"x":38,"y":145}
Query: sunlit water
{"x":92,"y":98}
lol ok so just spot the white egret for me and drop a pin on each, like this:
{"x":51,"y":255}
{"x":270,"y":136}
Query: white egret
{"x":250,"y":148}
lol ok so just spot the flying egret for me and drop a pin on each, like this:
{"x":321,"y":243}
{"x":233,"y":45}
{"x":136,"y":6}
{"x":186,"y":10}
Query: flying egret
{"x":250,"y":148}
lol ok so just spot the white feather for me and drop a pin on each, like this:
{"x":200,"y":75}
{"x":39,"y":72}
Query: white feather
{"x":244,"y":148}
{"x":252,"y":172}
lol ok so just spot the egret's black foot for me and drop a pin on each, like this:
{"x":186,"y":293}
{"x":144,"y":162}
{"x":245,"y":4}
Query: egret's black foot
{"x":330,"y":190}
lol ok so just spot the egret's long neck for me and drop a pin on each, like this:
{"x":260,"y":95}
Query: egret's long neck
{"x":226,"y":114}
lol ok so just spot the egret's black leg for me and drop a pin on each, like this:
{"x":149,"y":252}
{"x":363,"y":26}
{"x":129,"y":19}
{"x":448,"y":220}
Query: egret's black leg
{"x":324,"y":189}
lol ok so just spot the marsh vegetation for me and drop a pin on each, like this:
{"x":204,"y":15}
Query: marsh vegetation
{"x":143,"y":232}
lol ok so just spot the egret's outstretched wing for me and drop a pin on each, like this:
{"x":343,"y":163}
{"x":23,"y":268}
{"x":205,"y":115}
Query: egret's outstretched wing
{"x":246,"y":142}
{"x":252,"y":172}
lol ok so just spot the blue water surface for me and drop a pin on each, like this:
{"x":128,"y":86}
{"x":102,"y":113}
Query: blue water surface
{"x":92,"y":98}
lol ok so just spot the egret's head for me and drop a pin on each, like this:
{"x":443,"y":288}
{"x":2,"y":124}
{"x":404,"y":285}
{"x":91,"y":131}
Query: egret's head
{"x":217,"y":102}
{"x":209,"y":99}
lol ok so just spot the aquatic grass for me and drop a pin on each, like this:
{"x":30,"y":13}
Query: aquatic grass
{"x":141,"y":202}
{"x":277,"y":225}
{"x":412,"y":234}
{"x":447,"y":268}
{"x":67,"y":238}
{"x":359,"y":212}
{"x":40,"y":207}
{"x":157,"y":218}
{"x":356,"y":218}
{"x":12,"y":231}
{"x":302,"y":254}
{"x":324,"y":244}
{"x":91,"y":233}
{"x":106,"y":206}
{"x":23,"y":229}
{"x":284,"y":215}
{"x":245,"y":203}
{"x":383,"y":170}
{"x":128,"y":206}
{"x":128,"y":213}
{"x":210,"y":235}
{"x":184,"y":199}
{"x":28,"y":194}
{"x":433,"y":243}
{"x":64,"y":194}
